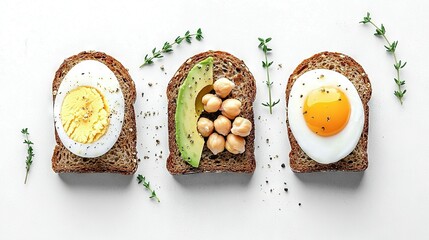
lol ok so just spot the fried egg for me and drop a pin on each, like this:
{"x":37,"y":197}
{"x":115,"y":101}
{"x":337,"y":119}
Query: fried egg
{"x":89,"y":109}
{"x":325,"y":114}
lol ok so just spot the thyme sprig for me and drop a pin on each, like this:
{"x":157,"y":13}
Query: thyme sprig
{"x":391,"y":48}
{"x":142,"y":180}
{"x":168,"y":47}
{"x":30,"y":153}
{"x":265,"y":64}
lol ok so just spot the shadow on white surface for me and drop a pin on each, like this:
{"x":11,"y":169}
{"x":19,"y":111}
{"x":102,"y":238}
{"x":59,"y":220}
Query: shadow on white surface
{"x":96,"y":180}
{"x":213,"y":180}
{"x":350,"y":180}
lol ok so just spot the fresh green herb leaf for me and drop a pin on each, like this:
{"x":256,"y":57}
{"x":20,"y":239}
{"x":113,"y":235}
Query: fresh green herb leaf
{"x":265,"y":64}
{"x":380,"y":31}
{"x":188,"y":37}
{"x":276,"y":102}
{"x":178,"y":40}
{"x":168,"y":47}
{"x":30,"y":153}
{"x":366,"y":19}
{"x":153,"y":195}
{"x":391,"y":48}
{"x":199,"y":35}
{"x":142,"y":180}
{"x":399,"y":65}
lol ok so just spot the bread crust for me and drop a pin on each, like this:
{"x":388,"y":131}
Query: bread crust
{"x":225,"y":65}
{"x":357,"y":160}
{"x":122,"y":157}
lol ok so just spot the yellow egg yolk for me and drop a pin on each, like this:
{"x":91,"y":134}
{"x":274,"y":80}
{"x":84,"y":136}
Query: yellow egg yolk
{"x":326,"y":111}
{"x":85,"y":114}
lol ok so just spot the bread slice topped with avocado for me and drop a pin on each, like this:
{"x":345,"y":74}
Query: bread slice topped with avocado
{"x":95,"y":127}
{"x":328,"y":114}
{"x":210,"y":115}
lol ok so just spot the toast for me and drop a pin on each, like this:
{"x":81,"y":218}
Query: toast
{"x":357,"y":160}
{"x":224,"y":65}
{"x":122,"y":157}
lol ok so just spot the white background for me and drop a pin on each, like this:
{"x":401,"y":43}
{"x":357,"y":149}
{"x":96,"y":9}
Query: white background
{"x":390,"y":200}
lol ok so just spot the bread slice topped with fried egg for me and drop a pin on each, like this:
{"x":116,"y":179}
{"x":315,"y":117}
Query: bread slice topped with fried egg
{"x":95,"y":127}
{"x":327,"y":114}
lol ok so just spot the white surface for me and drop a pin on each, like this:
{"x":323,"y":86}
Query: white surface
{"x":388,"y":201}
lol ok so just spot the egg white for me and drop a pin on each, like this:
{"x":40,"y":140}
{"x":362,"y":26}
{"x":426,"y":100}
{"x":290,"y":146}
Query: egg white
{"x":330,"y":149}
{"x":94,"y":74}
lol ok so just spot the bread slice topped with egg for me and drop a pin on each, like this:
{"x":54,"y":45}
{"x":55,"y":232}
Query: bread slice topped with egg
{"x":327,"y":114}
{"x":95,"y":127}
{"x":210,"y":115}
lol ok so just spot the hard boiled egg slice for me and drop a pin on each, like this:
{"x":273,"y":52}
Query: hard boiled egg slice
{"x":89,"y":109}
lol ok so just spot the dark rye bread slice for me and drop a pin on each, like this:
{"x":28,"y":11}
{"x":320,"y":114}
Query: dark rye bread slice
{"x":122,"y":157}
{"x":357,"y":160}
{"x":224,"y":65}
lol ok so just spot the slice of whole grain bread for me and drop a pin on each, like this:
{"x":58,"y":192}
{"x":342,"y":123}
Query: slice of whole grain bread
{"x":357,"y":160}
{"x":224,"y":65}
{"x":122,"y":157}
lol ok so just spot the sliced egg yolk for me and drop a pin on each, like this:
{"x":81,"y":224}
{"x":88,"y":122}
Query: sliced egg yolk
{"x":85,"y":114}
{"x":326,"y":111}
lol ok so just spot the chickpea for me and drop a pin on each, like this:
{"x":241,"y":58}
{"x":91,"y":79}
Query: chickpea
{"x":223,"y":87}
{"x":206,"y":98}
{"x":222,"y":125}
{"x":231,"y":108}
{"x":205,"y":126}
{"x":216,"y":143}
{"x":241,"y":127}
{"x":235,"y":144}
{"x":211,"y":102}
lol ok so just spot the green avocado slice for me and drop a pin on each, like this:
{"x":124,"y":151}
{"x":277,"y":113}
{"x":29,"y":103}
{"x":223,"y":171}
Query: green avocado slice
{"x":188,"y":110}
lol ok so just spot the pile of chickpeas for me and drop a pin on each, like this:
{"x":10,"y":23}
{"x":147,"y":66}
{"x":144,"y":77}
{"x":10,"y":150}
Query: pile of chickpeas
{"x":230,"y":109}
